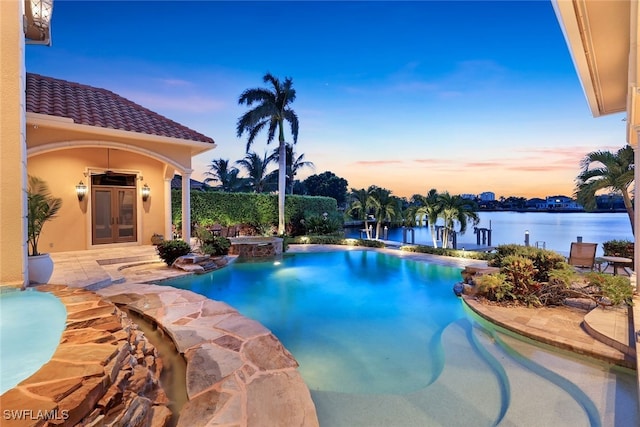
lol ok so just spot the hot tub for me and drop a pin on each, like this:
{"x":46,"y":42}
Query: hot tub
{"x":255,"y":246}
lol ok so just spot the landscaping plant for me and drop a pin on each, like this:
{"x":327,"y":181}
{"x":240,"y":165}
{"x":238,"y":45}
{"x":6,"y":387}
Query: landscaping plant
{"x":41,"y":207}
{"x":170,"y":250}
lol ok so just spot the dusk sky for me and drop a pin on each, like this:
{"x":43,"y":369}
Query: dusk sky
{"x":464,"y":97}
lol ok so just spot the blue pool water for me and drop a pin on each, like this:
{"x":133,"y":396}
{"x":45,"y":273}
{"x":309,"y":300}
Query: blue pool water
{"x":31,"y":324}
{"x":382,"y":340}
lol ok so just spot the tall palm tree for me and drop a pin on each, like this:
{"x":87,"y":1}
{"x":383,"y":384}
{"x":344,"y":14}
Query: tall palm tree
{"x":294,"y":164}
{"x":258,"y":179}
{"x":385,"y":206}
{"x":429,"y":208}
{"x":221,"y":172}
{"x":455,"y":209}
{"x":360,"y":205}
{"x":602,"y":170}
{"x":271,"y":112}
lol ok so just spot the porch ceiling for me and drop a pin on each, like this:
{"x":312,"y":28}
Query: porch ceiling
{"x":597,"y":33}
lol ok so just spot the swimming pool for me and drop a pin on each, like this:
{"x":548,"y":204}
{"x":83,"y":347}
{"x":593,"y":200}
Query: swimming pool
{"x":31,"y":324}
{"x":383,"y":341}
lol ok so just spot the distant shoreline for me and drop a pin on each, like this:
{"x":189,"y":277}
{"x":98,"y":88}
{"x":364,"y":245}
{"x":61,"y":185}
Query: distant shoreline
{"x":555,"y":210}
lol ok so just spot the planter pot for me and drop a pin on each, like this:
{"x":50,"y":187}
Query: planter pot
{"x":40,"y":268}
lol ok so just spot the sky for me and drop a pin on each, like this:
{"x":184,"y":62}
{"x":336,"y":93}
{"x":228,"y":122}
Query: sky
{"x":464,"y":97}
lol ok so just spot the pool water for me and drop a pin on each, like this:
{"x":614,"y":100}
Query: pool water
{"x":31,"y":324}
{"x":382,"y":340}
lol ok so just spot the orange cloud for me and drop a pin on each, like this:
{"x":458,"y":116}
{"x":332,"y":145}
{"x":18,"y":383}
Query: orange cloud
{"x":378,"y":162}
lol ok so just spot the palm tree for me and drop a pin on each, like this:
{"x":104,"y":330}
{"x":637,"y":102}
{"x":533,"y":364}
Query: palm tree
{"x":294,"y":164}
{"x":258,"y":179}
{"x":384,"y":204}
{"x":227,"y":176}
{"x":429,"y":208}
{"x":360,"y":205}
{"x":602,"y":170}
{"x":455,"y":209}
{"x":271,"y":111}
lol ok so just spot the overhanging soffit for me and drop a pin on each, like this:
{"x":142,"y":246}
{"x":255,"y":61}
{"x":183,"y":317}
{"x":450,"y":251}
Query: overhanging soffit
{"x":597,"y":34}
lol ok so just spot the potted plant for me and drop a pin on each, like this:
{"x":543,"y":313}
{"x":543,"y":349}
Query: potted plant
{"x":41,"y":207}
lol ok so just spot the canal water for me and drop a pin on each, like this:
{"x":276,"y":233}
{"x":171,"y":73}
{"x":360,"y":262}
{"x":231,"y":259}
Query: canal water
{"x":551,"y":230}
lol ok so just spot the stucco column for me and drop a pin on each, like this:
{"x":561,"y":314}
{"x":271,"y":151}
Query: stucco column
{"x":13,"y":159}
{"x":186,"y":206}
{"x":168,"y":224}
{"x":636,"y":215}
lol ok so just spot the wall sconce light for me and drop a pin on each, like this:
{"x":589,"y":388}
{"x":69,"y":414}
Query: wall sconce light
{"x":37,"y":21}
{"x":146,"y":192}
{"x":81,"y":191}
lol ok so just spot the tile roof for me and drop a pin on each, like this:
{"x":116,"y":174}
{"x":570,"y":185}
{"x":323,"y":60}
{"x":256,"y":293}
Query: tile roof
{"x":92,"y":106}
{"x":176,"y":183}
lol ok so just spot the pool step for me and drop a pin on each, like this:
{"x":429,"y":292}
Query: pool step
{"x":611,"y":326}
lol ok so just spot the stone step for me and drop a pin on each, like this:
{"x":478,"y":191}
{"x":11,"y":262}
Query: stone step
{"x":611,"y":326}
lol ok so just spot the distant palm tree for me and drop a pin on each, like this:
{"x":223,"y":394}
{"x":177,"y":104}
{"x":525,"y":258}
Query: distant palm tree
{"x":429,"y":208}
{"x":271,"y":111}
{"x":360,"y":205}
{"x":220,"y":172}
{"x":602,"y":170}
{"x":455,"y":209}
{"x":385,"y":206}
{"x":258,"y":179}
{"x":294,"y":164}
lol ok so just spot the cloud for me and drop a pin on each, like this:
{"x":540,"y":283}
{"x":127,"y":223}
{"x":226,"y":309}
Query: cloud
{"x":431,"y":161}
{"x":175,"y":82}
{"x":378,"y":162}
{"x":178,"y":102}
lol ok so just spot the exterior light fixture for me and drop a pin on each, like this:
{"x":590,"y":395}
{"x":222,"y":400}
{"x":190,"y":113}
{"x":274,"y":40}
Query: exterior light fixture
{"x":81,"y":191}
{"x":37,"y":21}
{"x":146,"y":192}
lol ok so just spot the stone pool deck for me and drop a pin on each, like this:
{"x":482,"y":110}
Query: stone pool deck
{"x":240,"y":373}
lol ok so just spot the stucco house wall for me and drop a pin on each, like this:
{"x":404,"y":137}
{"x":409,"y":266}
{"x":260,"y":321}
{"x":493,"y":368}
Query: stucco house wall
{"x":13,"y":246}
{"x":71,"y":229}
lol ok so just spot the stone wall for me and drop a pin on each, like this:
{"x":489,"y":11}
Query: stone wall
{"x":103,"y":373}
{"x":255,"y":247}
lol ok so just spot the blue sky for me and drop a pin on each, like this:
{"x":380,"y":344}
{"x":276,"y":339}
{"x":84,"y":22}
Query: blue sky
{"x":459,"y":96}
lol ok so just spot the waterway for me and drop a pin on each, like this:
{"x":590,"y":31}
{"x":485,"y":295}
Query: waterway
{"x":551,"y":230}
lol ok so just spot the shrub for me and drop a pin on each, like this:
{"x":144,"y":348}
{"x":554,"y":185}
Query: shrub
{"x":324,"y":224}
{"x":218,"y":246}
{"x":494,"y":287}
{"x":446,"y":252}
{"x":333,"y":240}
{"x":210,"y":244}
{"x":170,"y":250}
{"x":617,"y":289}
{"x":520,"y":272}
{"x":622,"y":248}
{"x":543,"y":260}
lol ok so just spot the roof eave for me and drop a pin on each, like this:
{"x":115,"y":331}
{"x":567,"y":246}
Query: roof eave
{"x":55,"y":122}
{"x":576,"y":26}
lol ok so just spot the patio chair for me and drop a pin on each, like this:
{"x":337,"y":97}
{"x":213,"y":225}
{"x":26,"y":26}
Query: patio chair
{"x":582,"y":255}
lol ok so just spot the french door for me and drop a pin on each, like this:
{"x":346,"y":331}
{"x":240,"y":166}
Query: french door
{"x":113,"y":214}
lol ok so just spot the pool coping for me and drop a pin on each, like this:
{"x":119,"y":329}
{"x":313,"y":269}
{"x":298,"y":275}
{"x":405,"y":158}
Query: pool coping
{"x":238,"y":372}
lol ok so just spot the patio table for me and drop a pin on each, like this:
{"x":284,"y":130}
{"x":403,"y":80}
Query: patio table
{"x":617,"y":262}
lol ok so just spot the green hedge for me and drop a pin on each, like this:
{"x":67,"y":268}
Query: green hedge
{"x":446,"y":252}
{"x":257,"y":209}
{"x":333,"y":240}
